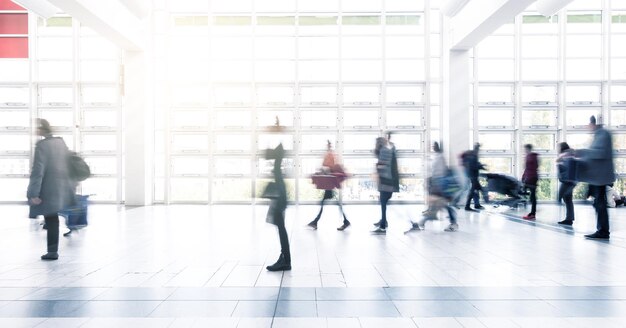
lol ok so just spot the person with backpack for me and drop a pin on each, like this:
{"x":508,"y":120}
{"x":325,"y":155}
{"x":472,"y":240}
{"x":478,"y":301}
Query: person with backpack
{"x":388,"y":177}
{"x":50,"y":188}
{"x":442,"y":186}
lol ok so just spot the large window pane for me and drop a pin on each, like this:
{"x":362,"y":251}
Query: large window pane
{"x":499,"y":165}
{"x":14,"y":96}
{"x":189,"y":119}
{"x":496,"y":118}
{"x":233,"y":143}
{"x":540,"y":141}
{"x":190,"y":143}
{"x":411,"y":165}
{"x":361,"y":95}
{"x":13,"y":189}
{"x":497,"y":46}
{"x":546,"y":189}
{"x":99,"y":142}
{"x":232,"y":95}
{"x":361,"y":70}
{"x":495,"y":95}
{"x":274,"y":95}
{"x":618,"y":118}
{"x":583,"y":46}
{"x":540,"y":69}
{"x":14,"y":70}
{"x":99,"y":119}
{"x":233,"y":190}
{"x":190,"y":95}
{"x":317,"y":142}
{"x":404,"y":47}
{"x":318,"y":70}
{"x":102,"y":165}
{"x":267,"y":118}
{"x":14,"y":166}
{"x":233,"y":119}
{"x":55,"y":71}
{"x":58,"y":118}
{"x":55,"y":48}
{"x":271,"y":141}
{"x":539,"y":118}
{"x":405,"y":70}
{"x":231,"y":48}
{"x":359,"y":119}
{"x":56,"y":96}
{"x":275,"y":47}
{"x":14,"y":120}
{"x":578,"y":140}
{"x":97,"y":48}
{"x":360,"y":188}
{"x":582,"y":94}
{"x":543,"y":46}
{"x":318,"y":47}
{"x":318,"y":118}
{"x":100,"y":189}
{"x":101,"y":70}
{"x":404,"y":118}
{"x":579,"y":117}
{"x":361,"y":47}
{"x":539,"y":95}
{"x":619,"y":142}
{"x":15,"y":143}
{"x":361,"y":165}
{"x":409,"y":143}
{"x":404,"y":94}
{"x":359,"y":143}
{"x":584,"y":22}
{"x":190,"y":166}
{"x":232,"y":166}
{"x":495,"y":142}
{"x":318,"y":95}
{"x":496,"y":69}
{"x":583,"y":69}
{"x":189,"y":189}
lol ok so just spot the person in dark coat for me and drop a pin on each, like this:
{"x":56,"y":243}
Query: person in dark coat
{"x":530,"y":179}
{"x":50,"y":188}
{"x":598,"y":171}
{"x":472,"y":168}
{"x":388,"y":177}
{"x":276,"y":211}
{"x":566,"y":190}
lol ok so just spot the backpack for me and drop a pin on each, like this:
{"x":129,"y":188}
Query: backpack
{"x":77,"y":167}
{"x":446,"y":186}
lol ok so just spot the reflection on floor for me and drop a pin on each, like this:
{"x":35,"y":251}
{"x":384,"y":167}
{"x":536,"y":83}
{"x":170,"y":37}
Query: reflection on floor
{"x":201,"y":266}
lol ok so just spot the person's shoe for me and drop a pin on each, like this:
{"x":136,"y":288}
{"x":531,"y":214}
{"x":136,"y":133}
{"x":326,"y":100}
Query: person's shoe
{"x":566,"y":222}
{"x":312,"y":224}
{"x":598,"y":235}
{"x":377,"y":224}
{"x":344,"y":226}
{"x":452,"y":227}
{"x":415,"y":226}
{"x":469,"y":209}
{"x":479,"y":207}
{"x":529,"y":217}
{"x":379,"y":230}
{"x":50,"y":256}
{"x":280,"y":265}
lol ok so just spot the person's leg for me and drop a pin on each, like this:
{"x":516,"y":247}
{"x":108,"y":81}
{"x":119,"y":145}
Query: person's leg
{"x":470,"y":194}
{"x":284,"y":239}
{"x":328,"y":194}
{"x":52,"y":235}
{"x":533,"y":200}
{"x":601,"y":209}
{"x":343,"y":214}
{"x":384,"y":198}
{"x":568,"y":198}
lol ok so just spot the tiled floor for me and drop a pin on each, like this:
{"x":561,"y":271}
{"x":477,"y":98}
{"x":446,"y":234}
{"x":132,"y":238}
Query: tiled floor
{"x":200,"y":266}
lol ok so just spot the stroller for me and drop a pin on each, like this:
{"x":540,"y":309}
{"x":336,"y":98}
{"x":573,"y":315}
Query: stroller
{"x":507,"y":186}
{"x":76,"y":216}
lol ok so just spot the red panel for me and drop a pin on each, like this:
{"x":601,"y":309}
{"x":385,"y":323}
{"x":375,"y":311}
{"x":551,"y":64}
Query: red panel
{"x":13,"y":23}
{"x":9,"y":5}
{"x":13,"y":47}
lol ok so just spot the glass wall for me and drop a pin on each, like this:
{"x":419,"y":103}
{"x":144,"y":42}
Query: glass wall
{"x":71,"y":79}
{"x":539,"y":79}
{"x":326,"y":70}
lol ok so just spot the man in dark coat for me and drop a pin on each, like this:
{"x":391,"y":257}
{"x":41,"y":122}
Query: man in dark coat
{"x":472,"y":168}
{"x":598,"y":171}
{"x":50,"y":188}
{"x":530,"y":179}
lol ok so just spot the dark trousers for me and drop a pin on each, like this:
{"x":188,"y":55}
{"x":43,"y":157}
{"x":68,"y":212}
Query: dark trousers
{"x":566,"y":193}
{"x":385,"y":196}
{"x":52,"y":228}
{"x":533,"y":199}
{"x":328,"y":194}
{"x":599,"y":203}
{"x":279,"y":217}
{"x":475,"y":189}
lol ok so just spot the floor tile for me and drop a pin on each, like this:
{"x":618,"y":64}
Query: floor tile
{"x":299,"y":322}
{"x":297,"y":294}
{"x":423,"y":293}
{"x":20,"y":322}
{"x":177,"y":309}
{"x":135,"y":294}
{"x":39,"y":309}
{"x":568,"y":293}
{"x":121,"y":309}
{"x":225,"y":294}
{"x":436,"y":309}
{"x":255,"y":309}
{"x":12,"y":294}
{"x":254,"y":323}
{"x":296,"y":309}
{"x":61,"y":323}
{"x":516,"y":308}
{"x":356,"y":309}
{"x":387,"y":322}
{"x":351,"y":294}
{"x":437,"y":323}
{"x":495,"y":293}
{"x":343,"y":323}
{"x":64,"y":294}
{"x":128,"y":323}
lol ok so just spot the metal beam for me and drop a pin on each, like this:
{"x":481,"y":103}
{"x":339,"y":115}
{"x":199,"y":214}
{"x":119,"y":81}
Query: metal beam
{"x":109,"y":18}
{"x":140,"y":8}
{"x":551,"y":7}
{"x":479,"y":18}
{"x":41,"y":8}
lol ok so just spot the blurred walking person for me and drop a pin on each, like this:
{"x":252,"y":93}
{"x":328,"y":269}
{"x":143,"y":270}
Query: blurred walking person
{"x":530,"y":179}
{"x":598,"y":171}
{"x":472,"y":168}
{"x":388,"y":177}
{"x":439,"y":192}
{"x":331,"y":166}
{"x":566,"y":190}
{"x":50,"y":188}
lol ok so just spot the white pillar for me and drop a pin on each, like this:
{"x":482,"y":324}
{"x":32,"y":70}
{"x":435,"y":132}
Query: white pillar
{"x":138,"y":129}
{"x":456,"y":111}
